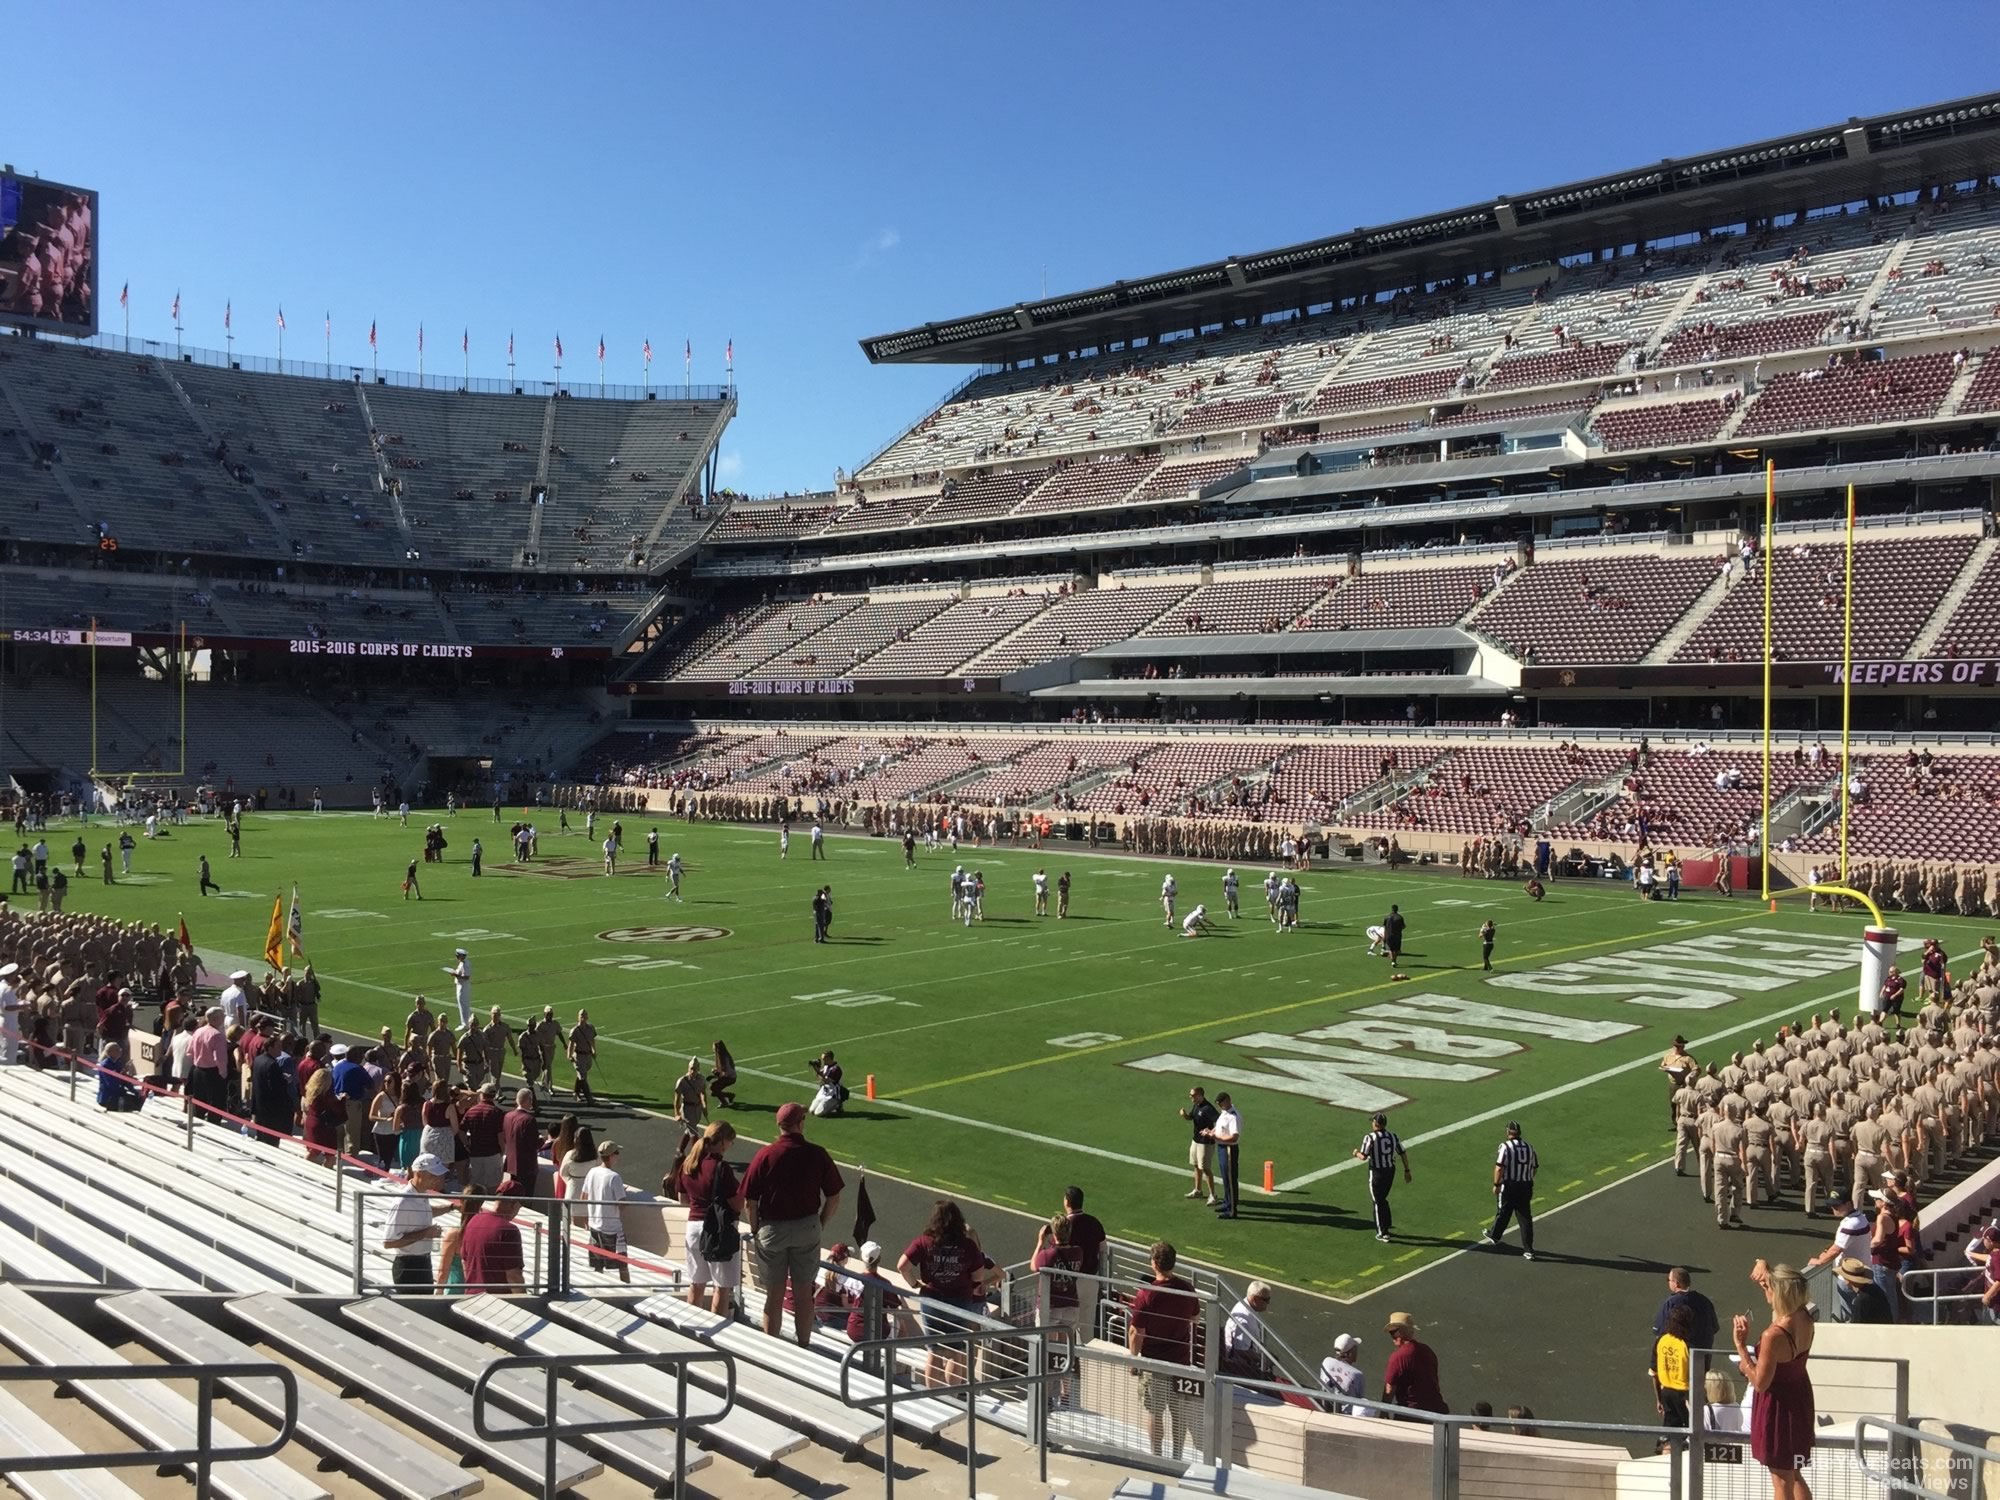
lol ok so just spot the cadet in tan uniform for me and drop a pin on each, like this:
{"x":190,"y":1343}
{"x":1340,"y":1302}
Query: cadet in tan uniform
{"x":1759,"y":1162}
{"x":1929,"y":1102}
{"x":1867,"y":1135}
{"x":1898,"y":1139}
{"x":1705,"y":1124}
{"x":1687,"y":1127}
{"x":1730,"y":1167}
{"x":1816,"y":1147}
{"x":472,"y":1054}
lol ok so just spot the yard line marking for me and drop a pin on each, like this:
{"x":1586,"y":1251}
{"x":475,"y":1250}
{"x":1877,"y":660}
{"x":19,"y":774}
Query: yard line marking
{"x":1607,"y":1171}
{"x":1410,"y":1254}
{"x":1568,"y":1185}
{"x":1220,"y":1022}
{"x":1641,"y":1155}
{"x":1003,"y":1198}
{"x":1364,"y":1275}
{"x":1259,"y":1266}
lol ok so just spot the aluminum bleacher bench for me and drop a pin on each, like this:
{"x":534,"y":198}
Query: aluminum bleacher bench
{"x":758,"y":1440}
{"x":105,"y":1258}
{"x":149,"y":1411}
{"x":155,"y":1205}
{"x":924,"y":1415}
{"x":222,"y":1270}
{"x":523,"y":1392}
{"x":23,"y":1432}
{"x":21,"y":1259}
{"x":418,"y":1397}
{"x":1241,"y":1484}
{"x":361,"y":1444}
{"x":1143,"y":1489}
{"x":826,"y":1417}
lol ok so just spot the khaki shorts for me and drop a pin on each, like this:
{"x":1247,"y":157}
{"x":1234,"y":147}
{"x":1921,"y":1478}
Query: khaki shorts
{"x":788,"y":1247}
{"x":1201,"y":1155}
{"x":701,"y":1271}
{"x":1157,"y":1389}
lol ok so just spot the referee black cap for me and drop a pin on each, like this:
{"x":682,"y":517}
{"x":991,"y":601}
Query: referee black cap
{"x":1513,"y":1127}
{"x":1380,"y":1122}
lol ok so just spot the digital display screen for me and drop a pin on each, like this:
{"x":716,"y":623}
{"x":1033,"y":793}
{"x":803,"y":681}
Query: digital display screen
{"x":48,"y":256}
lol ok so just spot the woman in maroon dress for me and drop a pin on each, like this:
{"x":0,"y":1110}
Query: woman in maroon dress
{"x":1781,"y":1411}
{"x":323,"y":1115}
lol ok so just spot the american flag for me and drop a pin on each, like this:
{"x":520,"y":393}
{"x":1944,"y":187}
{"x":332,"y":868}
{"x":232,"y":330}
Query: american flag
{"x":329,"y":325}
{"x":371,"y":333}
{"x":510,"y":346}
{"x":420,"y":338}
{"x":227,"y":311}
{"x":558,"y":348}
{"x":281,"y":320}
{"x":177,"y":307}
{"x":295,"y":927}
{"x":600,"y":348}
{"x":125,"y":295}
{"x":649,"y":351}
{"x":465,"y":342}
{"x":729,"y":353}
{"x":687,"y":353}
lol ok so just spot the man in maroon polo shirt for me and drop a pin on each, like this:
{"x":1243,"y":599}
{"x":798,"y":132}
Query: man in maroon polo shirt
{"x":480,"y":1126}
{"x":1161,"y":1327}
{"x":791,"y":1190}
{"x":1411,"y":1376}
{"x":520,"y":1147}
{"x":490,"y":1249}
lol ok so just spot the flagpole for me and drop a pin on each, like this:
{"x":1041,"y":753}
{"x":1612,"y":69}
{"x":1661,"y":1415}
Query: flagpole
{"x":281,"y":346}
{"x":128,"y":325}
{"x":329,"y":347}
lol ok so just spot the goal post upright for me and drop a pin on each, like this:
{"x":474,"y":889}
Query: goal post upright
{"x":1770,"y":555}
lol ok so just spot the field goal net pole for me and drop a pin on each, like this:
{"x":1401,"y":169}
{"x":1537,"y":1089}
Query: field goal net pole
{"x":181,"y":663}
{"x":1878,"y":942}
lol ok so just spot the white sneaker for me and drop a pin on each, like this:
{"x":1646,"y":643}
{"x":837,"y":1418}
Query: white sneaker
{"x":1194,"y":1193}
{"x":1383,"y":1238}
{"x":1527,"y":1255}
{"x":1213,"y":1200}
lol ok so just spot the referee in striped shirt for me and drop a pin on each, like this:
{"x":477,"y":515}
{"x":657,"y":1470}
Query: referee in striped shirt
{"x":1382,"y":1149}
{"x":1514,"y":1189}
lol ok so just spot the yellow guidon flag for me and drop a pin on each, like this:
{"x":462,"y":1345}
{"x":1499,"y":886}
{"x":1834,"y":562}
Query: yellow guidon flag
{"x":274,"y":943}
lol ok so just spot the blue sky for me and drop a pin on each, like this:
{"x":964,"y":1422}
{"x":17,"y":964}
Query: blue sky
{"x":795,"y":177}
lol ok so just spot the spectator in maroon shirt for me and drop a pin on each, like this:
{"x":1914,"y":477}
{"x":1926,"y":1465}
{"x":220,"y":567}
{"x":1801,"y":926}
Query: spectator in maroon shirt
{"x":480,"y":1127}
{"x":1057,"y":1261}
{"x":1161,"y":1327}
{"x":701,"y":1178}
{"x":1085,"y":1232}
{"x":1411,"y":1376}
{"x":489,"y":1248}
{"x":791,"y":1190}
{"x":520,"y":1147}
{"x":948,"y":1267}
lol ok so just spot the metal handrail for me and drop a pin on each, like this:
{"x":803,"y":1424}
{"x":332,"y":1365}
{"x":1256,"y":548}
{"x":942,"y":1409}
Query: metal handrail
{"x":551,"y":1431}
{"x":1900,"y":1438}
{"x":1040,"y":1371}
{"x":203,"y":1456}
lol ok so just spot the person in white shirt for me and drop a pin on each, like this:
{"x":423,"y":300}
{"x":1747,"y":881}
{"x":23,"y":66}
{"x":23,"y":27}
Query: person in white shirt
{"x":407,"y":1226}
{"x":403,"y":812}
{"x":1243,"y":1334}
{"x":1168,"y":890}
{"x":604,"y":1197}
{"x":1342,"y":1376}
{"x":958,"y":896}
{"x":460,"y":971}
{"x":1812,"y":894}
{"x":675,"y":869}
{"x":1041,"y":893}
{"x":178,"y":1046}
{"x":1227,"y":1133}
{"x":1196,"y":922}
{"x":784,"y":840}
{"x":1271,"y":894}
{"x":1229,"y":886}
{"x":11,"y":1006}
{"x":1376,"y":935}
{"x":235,"y":1000}
{"x":818,"y":842}
{"x":610,"y":855}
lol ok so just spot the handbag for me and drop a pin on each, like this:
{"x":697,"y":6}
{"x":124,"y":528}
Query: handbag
{"x":720,"y":1237}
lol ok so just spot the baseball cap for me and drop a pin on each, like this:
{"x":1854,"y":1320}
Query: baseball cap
{"x":871,"y":1253}
{"x":429,"y":1162}
{"x":790,"y":1113}
{"x":459,"y":952}
{"x":1346,"y":1344}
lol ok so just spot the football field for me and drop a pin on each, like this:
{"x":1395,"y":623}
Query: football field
{"x":1023,"y":1054}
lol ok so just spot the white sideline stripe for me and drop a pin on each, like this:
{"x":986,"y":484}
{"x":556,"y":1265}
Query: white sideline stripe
{"x":937,"y":1114}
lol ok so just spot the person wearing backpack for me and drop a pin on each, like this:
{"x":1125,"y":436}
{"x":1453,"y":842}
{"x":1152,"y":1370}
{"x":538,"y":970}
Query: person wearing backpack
{"x":707,"y":1185}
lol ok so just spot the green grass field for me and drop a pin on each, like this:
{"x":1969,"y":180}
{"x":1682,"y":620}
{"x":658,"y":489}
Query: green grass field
{"x":1007,"y":1057}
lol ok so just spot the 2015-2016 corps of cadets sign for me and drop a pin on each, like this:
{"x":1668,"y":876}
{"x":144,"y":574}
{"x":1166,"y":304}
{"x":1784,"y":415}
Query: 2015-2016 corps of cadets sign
{"x":664,"y":934}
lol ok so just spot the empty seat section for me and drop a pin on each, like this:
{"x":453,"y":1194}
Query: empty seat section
{"x":1077,"y":623}
{"x":1243,"y":606}
{"x":1897,"y":585}
{"x":1084,"y":486}
{"x":836,"y":650}
{"x":1608,"y":609}
{"x":961,"y":632}
{"x":1401,"y":598}
{"x":1665,"y":425}
{"x":1854,"y":393}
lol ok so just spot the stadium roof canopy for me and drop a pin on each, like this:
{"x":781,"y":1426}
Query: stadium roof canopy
{"x":1848,"y":163}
